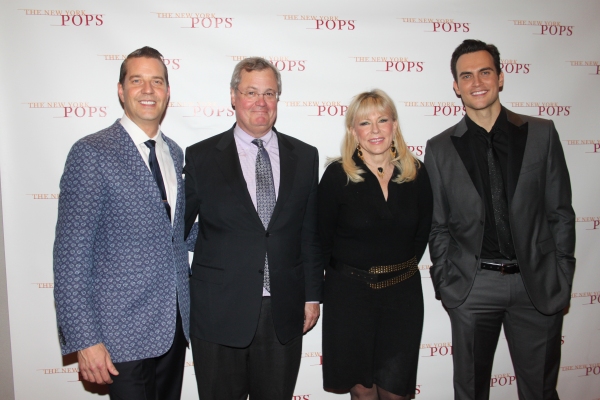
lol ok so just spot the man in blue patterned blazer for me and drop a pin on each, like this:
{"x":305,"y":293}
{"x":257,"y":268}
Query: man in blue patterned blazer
{"x":120,"y":261}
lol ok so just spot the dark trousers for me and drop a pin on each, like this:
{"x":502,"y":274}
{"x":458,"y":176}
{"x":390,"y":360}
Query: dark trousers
{"x":159,"y":378}
{"x":534,"y":339}
{"x":265,"y":370}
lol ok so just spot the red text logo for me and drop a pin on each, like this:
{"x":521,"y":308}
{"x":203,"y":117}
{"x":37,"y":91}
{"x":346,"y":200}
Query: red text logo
{"x":443,"y":25}
{"x":323,"y":22}
{"x":502,"y":380}
{"x":393,"y":64}
{"x":545,"y":109}
{"x":72,"y":110}
{"x":437,"y":349}
{"x":200,"y":109}
{"x":69,"y":17}
{"x":514,"y":67}
{"x":549,"y":28}
{"x":439,"y":108}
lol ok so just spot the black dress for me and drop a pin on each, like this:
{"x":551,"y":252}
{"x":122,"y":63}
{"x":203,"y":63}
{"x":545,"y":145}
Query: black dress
{"x":372,"y":336}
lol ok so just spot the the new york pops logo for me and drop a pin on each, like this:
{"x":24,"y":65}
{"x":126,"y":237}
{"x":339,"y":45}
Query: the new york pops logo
{"x":73,"y":110}
{"x":63,"y":370}
{"x":436,"y":349}
{"x":320,"y":108}
{"x":438,"y":108}
{"x":514,"y":67}
{"x":546,"y":28}
{"x":593,"y":67}
{"x":198,"y":20}
{"x":314,"y":357}
{"x":590,"y":223}
{"x":544,"y":108}
{"x":440,"y":25}
{"x":590,"y":146}
{"x":67,"y":17}
{"x":392,"y":64}
{"x":282,"y":63}
{"x":501,"y":380}
{"x":322,"y":22}
{"x":171,"y":63}
{"x":202,"y":109}
{"x":586,"y":298}
{"x":583,"y":370}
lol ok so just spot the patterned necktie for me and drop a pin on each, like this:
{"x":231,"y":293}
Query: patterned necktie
{"x":265,"y":196}
{"x":155,"y":168}
{"x":499,"y":202}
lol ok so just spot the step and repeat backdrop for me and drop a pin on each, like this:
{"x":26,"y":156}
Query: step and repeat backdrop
{"x":60,"y":64}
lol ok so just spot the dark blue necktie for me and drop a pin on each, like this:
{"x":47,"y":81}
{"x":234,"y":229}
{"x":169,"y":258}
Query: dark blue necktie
{"x":155,"y":168}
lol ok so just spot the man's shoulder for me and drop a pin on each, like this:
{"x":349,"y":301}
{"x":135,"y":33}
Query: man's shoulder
{"x":103,"y":139}
{"x":211,"y":142}
{"x":445,"y":134}
{"x":295,"y":143}
{"x":520,"y":119}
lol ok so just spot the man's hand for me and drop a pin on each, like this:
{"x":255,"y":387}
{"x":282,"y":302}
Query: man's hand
{"x":311,"y":315}
{"x":95,"y":364}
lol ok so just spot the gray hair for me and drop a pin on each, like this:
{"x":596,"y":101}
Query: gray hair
{"x":253,"y":64}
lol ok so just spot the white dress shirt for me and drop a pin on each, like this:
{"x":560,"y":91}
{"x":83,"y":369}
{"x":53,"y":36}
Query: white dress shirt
{"x":163,"y":155}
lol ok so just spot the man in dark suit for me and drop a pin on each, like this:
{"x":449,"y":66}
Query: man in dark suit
{"x":503,"y":232}
{"x":257,"y":273}
{"x":121,"y":271}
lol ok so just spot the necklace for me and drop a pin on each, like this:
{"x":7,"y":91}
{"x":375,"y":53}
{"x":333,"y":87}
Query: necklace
{"x":380,"y":170}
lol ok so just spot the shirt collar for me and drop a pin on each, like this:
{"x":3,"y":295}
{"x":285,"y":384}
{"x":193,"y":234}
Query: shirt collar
{"x":500,"y":125}
{"x":136,"y":133}
{"x":246,"y":139}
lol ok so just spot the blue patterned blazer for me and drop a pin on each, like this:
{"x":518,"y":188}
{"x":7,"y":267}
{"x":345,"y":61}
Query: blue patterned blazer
{"x":120,"y":267}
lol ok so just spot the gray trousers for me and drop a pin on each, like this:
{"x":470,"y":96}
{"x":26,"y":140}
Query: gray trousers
{"x":534,"y":339}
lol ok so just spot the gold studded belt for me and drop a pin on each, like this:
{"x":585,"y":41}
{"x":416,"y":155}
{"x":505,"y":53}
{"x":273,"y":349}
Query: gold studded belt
{"x":381,"y":276}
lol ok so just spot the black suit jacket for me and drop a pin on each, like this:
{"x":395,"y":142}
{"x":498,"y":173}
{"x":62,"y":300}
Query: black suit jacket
{"x":541,"y":217}
{"x":227,"y":279}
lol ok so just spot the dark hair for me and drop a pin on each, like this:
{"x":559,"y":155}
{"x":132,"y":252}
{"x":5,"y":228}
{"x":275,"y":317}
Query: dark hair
{"x":253,"y":64}
{"x":471,"y":46}
{"x":147,"y":52}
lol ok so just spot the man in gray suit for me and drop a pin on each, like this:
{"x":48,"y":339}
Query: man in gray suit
{"x":503,"y":232}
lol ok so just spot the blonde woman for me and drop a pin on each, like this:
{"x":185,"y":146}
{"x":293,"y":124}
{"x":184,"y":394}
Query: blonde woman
{"x":375,"y":206}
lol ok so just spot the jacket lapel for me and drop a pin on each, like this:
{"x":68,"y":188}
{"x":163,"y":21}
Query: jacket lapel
{"x":517,"y":139}
{"x":462,"y":144}
{"x":178,"y":163}
{"x":228,"y":160}
{"x":287,"y":164}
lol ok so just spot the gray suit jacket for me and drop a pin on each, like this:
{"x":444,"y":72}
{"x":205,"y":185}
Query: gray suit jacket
{"x":539,"y":200}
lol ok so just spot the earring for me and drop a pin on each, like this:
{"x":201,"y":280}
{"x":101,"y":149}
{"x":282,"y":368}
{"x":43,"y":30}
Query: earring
{"x":393,"y":150}
{"x":359,"y":150}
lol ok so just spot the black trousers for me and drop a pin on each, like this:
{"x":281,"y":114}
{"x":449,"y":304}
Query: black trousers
{"x":265,"y":370}
{"x":534,"y":339}
{"x":159,"y":378}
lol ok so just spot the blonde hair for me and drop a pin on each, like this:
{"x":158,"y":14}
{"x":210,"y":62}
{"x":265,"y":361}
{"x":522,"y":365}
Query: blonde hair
{"x":360,"y":107}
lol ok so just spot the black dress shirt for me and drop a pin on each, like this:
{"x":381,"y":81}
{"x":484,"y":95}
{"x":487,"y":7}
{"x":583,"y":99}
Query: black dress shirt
{"x":479,"y":138}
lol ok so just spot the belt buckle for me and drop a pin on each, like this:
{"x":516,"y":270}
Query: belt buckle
{"x":502,"y":269}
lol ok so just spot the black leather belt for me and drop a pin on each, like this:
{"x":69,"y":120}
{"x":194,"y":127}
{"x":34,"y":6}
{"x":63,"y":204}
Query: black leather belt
{"x":503,"y":268}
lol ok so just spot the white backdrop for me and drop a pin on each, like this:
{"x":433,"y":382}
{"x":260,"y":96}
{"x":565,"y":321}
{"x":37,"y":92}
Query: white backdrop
{"x":60,"y":64}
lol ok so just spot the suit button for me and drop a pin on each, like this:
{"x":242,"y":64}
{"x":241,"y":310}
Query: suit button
{"x":267,"y":234}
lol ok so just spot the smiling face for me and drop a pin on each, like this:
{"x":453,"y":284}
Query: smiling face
{"x":478,"y":82}
{"x":375,"y":132}
{"x":256,"y":116}
{"x":144,"y":93}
